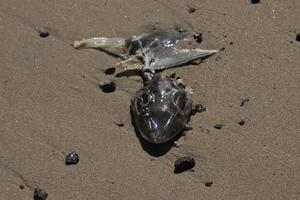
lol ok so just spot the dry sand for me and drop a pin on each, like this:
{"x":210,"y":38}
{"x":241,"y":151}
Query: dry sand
{"x":51,"y":103}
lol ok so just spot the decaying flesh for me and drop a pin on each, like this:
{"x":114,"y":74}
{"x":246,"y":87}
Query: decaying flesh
{"x":161,"y":109}
{"x":149,"y":51}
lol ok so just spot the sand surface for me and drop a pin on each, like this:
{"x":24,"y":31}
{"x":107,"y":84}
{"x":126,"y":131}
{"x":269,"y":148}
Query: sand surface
{"x":51,"y":103}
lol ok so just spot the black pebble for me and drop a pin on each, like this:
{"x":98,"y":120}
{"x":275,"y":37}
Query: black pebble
{"x":39,"y":194}
{"x":110,"y":71}
{"x":198,"y":37}
{"x":192,"y":10}
{"x":44,"y":34}
{"x":255,"y":1}
{"x":198,"y":109}
{"x":208,"y":183}
{"x":222,"y":49}
{"x":298,"y":37}
{"x":231,"y":43}
{"x":243,"y":102}
{"x":219,"y":126}
{"x":183,"y":164}
{"x":108,"y":87}
{"x":72,"y":159}
{"x":21,"y":187}
{"x":242,"y":122}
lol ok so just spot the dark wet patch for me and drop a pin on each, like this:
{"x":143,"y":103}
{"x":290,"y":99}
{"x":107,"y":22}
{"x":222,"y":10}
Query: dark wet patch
{"x":39,"y":194}
{"x":110,"y":71}
{"x":72,"y":159}
{"x":219,"y":126}
{"x":44,"y":34}
{"x":208,"y":183}
{"x":183,"y":164}
{"x":108,"y":87}
{"x":243,"y":102}
{"x":198,"y":108}
{"x":192,"y":10}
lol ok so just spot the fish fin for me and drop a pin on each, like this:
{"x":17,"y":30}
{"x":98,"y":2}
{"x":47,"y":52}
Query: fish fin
{"x":113,"y":46}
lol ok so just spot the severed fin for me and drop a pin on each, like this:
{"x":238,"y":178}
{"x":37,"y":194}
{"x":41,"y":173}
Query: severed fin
{"x":168,"y":57}
{"x":113,"y":46}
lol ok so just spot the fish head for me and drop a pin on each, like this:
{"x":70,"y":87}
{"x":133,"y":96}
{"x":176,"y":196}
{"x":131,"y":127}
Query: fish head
{"x":160,"y":110}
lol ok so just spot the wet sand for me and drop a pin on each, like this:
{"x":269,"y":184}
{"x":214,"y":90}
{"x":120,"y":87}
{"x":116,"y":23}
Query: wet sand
{"x":51,"y":103}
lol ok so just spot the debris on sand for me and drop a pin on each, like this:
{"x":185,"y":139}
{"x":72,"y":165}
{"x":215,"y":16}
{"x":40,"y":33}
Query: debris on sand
{"x":183,"y":164}
{"x":72,"y":159}
{"x":39,"y":194}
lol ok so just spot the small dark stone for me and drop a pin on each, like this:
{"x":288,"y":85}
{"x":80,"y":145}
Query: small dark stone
{"x":108,"y":87}
{"x":110,"y":71}
{"x":222,"y":49}
{"x":298,"y":37}
{"x":192,"y":10}
{"x":231,"y":43}
{"x":119,"y":124}
{"x":198,"y":108}
{"x":44,"y":34}
{"x":208,"y":183}
{"x":243,"y":102}
{"x":242,"y":122}
{"x":39,"y":194}
{"x":72,"y":159}
{"x":255,"y":1}
{"x":173,"y":75}
{"x":183,"y":164}
{"x":219,"y":126}
{"x":198,"y":37}
{"x":21,"y":187}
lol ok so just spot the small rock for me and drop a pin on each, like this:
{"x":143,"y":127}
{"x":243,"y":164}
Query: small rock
{"x":298,"y":37}
{"x":231,"y":43}
{"x":243,"y":102}
{"x":108,"y":87}
{"x":118,"y":123}
{"x":44,"y":34}
{"x":255,"y":1}
{"x":110,"y":71}
{"x":219,"y":126}
{"x":183,"y":164}
{"x":72,"y":159}
{"x":198,"y":109}
{"x":192,"y":10}
{"x":21,"y":187}
{"x":208,"y":183}
{"x":242,"y":122}
{"x":222,"y":49}
{"x":39,"y":194}
{"x":198,"y":37}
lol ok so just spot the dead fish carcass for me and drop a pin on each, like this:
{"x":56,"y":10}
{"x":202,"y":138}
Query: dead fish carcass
{"x":161,"y":109}
{"x":148,"y":51}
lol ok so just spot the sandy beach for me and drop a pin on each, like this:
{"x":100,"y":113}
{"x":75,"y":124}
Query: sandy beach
{"x":51,"y":103}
